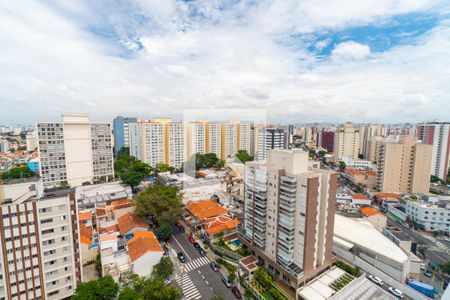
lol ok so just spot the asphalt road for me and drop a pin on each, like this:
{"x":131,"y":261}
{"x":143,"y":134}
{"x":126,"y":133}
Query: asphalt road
{"x":385,"y":287}
{"x":197,"y":279}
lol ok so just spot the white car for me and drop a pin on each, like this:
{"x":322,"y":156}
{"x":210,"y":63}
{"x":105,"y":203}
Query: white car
{"x":376,"y":280}
{"x":423,"y":266}
{"x":447,"y":239}
{"x":395,"y":292}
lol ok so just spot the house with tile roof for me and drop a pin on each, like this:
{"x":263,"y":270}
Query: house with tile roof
{"x":129,"y":223}
{"x":144,"y":251}
{"x":361,"y":176}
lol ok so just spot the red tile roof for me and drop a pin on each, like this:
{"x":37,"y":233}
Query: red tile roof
{"x":129,"y":221}
{"x":141,"y":243}
{"x":359,"y":197}
{"x":118,"y":204}
{"x":205,"y":209}
{"x":369,"y":211}
{"x":84,"y":216}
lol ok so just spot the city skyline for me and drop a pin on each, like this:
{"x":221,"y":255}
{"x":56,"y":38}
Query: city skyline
{"x":379,"y":61}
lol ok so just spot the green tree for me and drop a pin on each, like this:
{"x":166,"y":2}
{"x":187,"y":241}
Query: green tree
{"x":162,"y":202}
{"x":123,"y":152}
{"x":322,"y":153}
{"x":161,"y":168}
{"x":435,"y":179}
{"x":131,"y":178}
{"x":18,"y":172}
{"x":152,"y":288}
{"x":445,"y":267}
{"x":164,"y":268}
{"x":208,"y":160}
{"x":436,"y":233}
{"x":164,"y":231}
{"x":243,"y":156}
{"x":103,"y":288}
{"x":342,"y":165}
{"x":129,"y":294}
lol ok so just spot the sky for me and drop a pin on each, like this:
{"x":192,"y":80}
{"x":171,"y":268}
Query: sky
{"x":300,"y":61}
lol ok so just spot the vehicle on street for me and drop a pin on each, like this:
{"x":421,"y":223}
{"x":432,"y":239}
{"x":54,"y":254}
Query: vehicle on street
{"x":180,"y":227}
{"x":236,"y":292}
{"x":197,"y":246}
{"x":192,"y":240}
{"x":405,"y":225}
{"x":214,"y":266}
{"x":167,"y":281}
{"x":427,"y":274}
{"x":395,"y":292}
{"x":376,"y":280}
{"x":202,"y":252}
{"x":181,"y":257}
{"x":226,"y":282}
{"x":447,"y":239}
{"x":422,"y":287}
{"x":423,"y":266}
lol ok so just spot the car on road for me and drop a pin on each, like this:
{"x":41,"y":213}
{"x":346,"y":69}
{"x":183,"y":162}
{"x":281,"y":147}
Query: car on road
{"x":395,"y":292}
{"x":197,"y":246}
{"x":405,"y":225}
{"x":180,"y":227}
{"x":167,"y":281}
{"x":192,"y":240}
{"x":181,"y":257}
{"x":202,"y":252}
{"x":236,"y":292}
{"x":214,"y":266}
{"x":423,"y":266}
{"x":427,"y":274}
{"x":226,"y":282}
{"x":447,"y":239}
{"x":376,"y":280}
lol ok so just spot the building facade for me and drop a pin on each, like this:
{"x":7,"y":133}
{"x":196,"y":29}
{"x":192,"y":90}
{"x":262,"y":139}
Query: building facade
{"x":120,"y":128}
{"x":438,"y":135}
{"x":289,"y":225}
{"x":74,"y":151}
{"x":347,"y":141}
{"x":429,"y":216}
{"x":404,"y":166}
{"x":268,"y":139}
{"x":326,"y":138}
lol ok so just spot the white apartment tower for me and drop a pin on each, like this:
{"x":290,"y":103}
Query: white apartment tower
{"x":151,"y":142}
{"x":244,"y":138}
{"x":438,"y":135}
{"x":229,"y":138}
{"x":289,"y":215}
{"x":175,"y":151}
{"x":74,"y":151}
{"x":214,"y":138}
{"x":196,"y":138}
{"x":40,"y":257}
{"x":268,"y":139}
{"x":347,"y":141}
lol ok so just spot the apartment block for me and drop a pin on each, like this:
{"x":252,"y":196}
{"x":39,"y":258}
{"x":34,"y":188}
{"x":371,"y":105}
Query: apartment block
{"x":196,"y":139}
{"x":325,"y":140}
{"x":74,"y":151}
{"x":437,"y":135}
{"x":369,"y":131}
{"x":175,"y":150}
{"x":151,"y":142}
{"x":40,"y":248}
{"x":121,"y":134}
{"x":371,"y":151}
{"x":214,"y":138}
{"x":31,"y":141}
{"x":268,"y":139}
{"x":244,"y":137}
{"x":229,"y":138}
{"x":289,"y":215}
{"x":347,"y":141}
{"x":404,"y":166}
{"x":429,"y":216}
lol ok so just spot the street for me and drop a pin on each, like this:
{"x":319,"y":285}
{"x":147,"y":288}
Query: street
{"x":385,"y":287}
{"x":196,"y":279}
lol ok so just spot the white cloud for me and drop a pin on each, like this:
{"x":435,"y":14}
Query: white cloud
{"x":351,"y":49}
{"x":52,"y":61}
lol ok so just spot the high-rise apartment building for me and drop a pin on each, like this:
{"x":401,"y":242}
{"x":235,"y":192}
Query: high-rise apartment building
{"x":31,"y":141}
{"x":244,"y":137}
{"x":347,"y":142}
{"x":151,"y":142}
{"x":74,"y":151}
{"x":438,"y":135}
{"x":121,"y":134}
{"x":196,"y":138}
{"x":40,"y":255}
{"x":175,"y":150}
{"x":268,"y":139}
{"x":369,"y":131}
{"x":404,"y":165}
{"x":230,"y":140}
{"x":371,"y":151}
{"x":214,"y":138}
{"x":326,"y":140}
{"x":289,"y":215}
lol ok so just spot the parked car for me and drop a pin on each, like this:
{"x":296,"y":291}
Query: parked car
{"x":405,"y":225}
{"x":197,"y":246}
{"x":168,"y":281}
{"x":447,"y":239}
{"x":202,"y":252}
{"x":214,"y":266}
{"x":423,"y":266}
{"x":395,"y":292}
{"x":427,"y":274}
{"x":236,"y":292}
{"x":181,"y":257}
{"x":226,"y":282}
{"x":180,"y":227}
{"x":376,"y":280}
{"x":192,"y":240}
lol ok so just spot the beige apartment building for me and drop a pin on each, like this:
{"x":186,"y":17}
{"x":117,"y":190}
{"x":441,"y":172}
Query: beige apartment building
{"x":289,"y":215}
{"x":404,"y":165}
{"x":347,"y":141}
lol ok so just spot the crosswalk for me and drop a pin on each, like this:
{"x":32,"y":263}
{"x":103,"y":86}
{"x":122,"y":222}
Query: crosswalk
{"x":187,"y":287}
{"x":196,"y":263}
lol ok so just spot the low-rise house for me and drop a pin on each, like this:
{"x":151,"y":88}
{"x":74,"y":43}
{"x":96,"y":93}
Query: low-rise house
{"x":375,"y":217}
{"x":121,"y":207}
{"x":129,"y":223}
{"x":361,"y":176}
{"x":360,"y":199}
{"x":145,"y":251}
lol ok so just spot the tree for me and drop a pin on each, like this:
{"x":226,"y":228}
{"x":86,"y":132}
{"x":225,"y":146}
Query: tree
{"x":164,"y":203}
{"x":103,"y":288}
{"x":445,"y":267}
{"x":435,"y":179}
{"x":435,"y":233}
{"x":129,"y":294}
{"x":131,"y":178}
{"x":123,"y":152}
{"x":322,"y":153}
{"x":342,"y":166}
{"x":208,"y":160}
{"x":161,"y":168}
{"x":164,"y":268}
{"x":18,"y":172}
{"x":243,"y":156}
{"x":165,"y":231}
